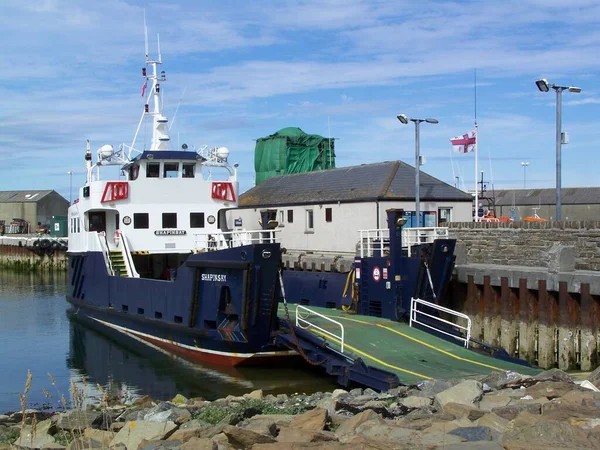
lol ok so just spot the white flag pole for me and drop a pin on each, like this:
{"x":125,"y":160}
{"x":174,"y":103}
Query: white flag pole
{"x":476,"y":147}
{"x":476,"y":173}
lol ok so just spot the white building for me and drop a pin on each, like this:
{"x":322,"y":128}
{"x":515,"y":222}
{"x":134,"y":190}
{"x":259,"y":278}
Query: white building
{"x":323,"y":211}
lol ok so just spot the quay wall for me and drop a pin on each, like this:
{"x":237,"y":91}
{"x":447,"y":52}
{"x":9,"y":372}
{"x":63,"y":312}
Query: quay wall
{"x":532,"y":289}
{"x":19,"y":254}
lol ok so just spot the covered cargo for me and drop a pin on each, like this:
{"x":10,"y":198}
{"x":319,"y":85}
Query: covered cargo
{"x":291,"y":150}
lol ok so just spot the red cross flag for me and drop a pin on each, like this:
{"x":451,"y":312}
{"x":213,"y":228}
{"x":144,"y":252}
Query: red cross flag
{"x":464,"y":143}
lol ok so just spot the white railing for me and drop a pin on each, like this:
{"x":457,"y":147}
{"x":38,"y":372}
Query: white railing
{"x":103,"y":244}
{"x":302,"y":322}
{"x":375,"y":242}
{"x":130,"y":266}
{"x":414,"y":302}
{"x":230,"y":239}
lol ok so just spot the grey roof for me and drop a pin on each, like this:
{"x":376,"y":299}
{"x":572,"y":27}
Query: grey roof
{"x":390,"y":180}
{"x":22,"y":196}
{"x":569,"y":196}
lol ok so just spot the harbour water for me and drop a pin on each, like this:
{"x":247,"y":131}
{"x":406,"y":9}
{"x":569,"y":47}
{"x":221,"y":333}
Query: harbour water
{"x":36,"y":334}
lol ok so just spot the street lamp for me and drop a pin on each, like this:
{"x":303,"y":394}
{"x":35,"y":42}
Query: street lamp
{"x":544,"y":86}
{"x":403,"y":118}
{"x":524,"y":164}
{"x":70,"y":173}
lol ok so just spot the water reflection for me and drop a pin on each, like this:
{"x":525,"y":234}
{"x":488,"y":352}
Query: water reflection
{"x":128,"y":368}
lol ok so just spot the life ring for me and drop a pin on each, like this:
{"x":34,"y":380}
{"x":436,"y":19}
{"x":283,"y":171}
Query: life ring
{"x":45,"y":243}
{"x":49,"y":251}
{"x":55,"y":245}
{"x":117,"y":238}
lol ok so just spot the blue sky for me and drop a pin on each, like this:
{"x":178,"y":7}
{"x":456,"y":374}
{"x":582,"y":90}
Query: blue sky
{"x":71,"y":72}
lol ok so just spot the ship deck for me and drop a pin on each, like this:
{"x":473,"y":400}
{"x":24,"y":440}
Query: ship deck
{"x":410,"y":353}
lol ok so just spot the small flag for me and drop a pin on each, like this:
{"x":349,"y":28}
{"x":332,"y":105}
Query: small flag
{"x":144,"y":86}
{"x":464,"y":143}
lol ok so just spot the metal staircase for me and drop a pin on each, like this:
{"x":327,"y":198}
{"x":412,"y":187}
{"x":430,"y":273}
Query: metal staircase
{"x":117,"y":263}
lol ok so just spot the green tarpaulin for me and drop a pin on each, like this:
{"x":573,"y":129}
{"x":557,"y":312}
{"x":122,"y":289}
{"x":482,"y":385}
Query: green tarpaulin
{"x":291,"y":150}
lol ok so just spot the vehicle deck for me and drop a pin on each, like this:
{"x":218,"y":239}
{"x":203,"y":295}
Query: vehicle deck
{"x":410,"y":353}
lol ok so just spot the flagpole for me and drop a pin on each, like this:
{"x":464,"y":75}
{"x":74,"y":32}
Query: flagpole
{"x":476,"y":147}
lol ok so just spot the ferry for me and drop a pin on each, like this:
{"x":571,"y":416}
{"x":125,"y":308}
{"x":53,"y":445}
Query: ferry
{"x":150,"y":254}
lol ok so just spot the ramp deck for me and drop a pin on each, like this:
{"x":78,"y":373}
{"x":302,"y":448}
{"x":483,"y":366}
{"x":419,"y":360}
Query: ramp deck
{"x":410,"y":353}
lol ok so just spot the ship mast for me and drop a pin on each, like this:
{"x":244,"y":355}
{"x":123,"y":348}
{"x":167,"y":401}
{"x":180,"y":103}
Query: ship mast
{"x":160,"y":133}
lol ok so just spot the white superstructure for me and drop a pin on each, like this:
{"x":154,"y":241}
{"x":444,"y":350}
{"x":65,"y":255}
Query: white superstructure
{"x":169,"y":202}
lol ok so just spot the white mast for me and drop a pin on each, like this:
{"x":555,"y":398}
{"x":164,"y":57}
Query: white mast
{"x":476,"y":149}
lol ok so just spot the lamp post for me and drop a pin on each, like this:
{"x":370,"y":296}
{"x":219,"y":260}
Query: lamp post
{"x":405,"y":119}
{"x":524,"y":164}
{"x":70,"y":173}
{"x":544,"y":86}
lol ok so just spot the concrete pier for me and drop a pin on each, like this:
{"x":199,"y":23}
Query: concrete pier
{"x":21,"y":254}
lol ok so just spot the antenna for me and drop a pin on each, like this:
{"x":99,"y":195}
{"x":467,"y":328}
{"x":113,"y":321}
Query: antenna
{"x":145,"y":35}
{"x":177,"y":109}
{"x":158,"y":40}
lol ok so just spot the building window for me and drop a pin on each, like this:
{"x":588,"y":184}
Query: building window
{"x":290,"y":216}
{"x":188,"y":170}
{"x":152,"y":170}
{"x":171,"y":170}
{"x":310,"y":222}
{"x":196,"y":220}
{"x":169,"y":220}
{"x":141,"y":220}
{"x":328,"y":214}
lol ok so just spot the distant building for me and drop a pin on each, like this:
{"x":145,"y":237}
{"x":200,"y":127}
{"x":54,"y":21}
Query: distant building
{"x":26,"y":208}
{"x":324,"y":210}
{"x":579,"y":203}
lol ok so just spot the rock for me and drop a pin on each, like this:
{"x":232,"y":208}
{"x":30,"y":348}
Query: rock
{"x":473,"y":446}
{"x":557,"y":410}
{"x":193,"y":428}
{"x":550,"y":389}
{"x":160,"y":445}
{"x":348,"y":427}
{"x":179,"y":400}
{"x":579,"y":398}
{"x":104,"y":437}
{"x":467,"y":393}
{"x":594,"y":377}
{"x":552,"y":431}
{"x":459,"y":410}
{"x":264,"y":426}
{"x":374,"y":430}
{"x":81,"y":443}
{"x":132,"y":434}
{"x":77,"y":420}
{"x":329,"y":404}
{"x":255,"y":395}
{"x":4,"y":418}
{"x":489,"y":402}
{"x":416,"y":402}
{"x":429,"y":440}
{"x":477,"y":433}
{"x":116,"y":427}
{"x":314,"y":419}
{"x":498,"y":380}
{"x":431,"y":388}
{"x":40,"y":439}
{"x":240,"y":437}
{"x":493,"y":421}
{"x":299,"y":435}
{"x":146,"y":400}
{"x":512,"y":411}
{"x":340,"y":394}
{"x":280,"y":420}
{"x":554,"y":375}
{"x":199,"y":444}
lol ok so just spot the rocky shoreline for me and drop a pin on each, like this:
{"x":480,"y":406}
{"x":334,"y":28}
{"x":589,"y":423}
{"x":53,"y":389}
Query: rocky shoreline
{"x":499,"y":411}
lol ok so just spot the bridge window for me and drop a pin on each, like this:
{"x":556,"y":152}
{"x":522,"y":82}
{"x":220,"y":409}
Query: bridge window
{"x":141,"y":220}
{"x":152,"y":170}
{"x":189,"y":170}
{"x":196,"y":220}
{"x":169,"y":220}
{"x":171,"y":170}
{"x":134,"y":170}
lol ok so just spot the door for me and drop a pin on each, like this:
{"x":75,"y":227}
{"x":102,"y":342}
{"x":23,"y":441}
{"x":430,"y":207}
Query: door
{"x":444,"y":216}
{"x":97,"y":221}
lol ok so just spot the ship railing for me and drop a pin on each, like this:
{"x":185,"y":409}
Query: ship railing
{"x":303,"y":314}
{"x":103,"y":244}
{"x":230,"y":239}
{"x":127,"y":255}
{"x":433,"y":322}
{"x":376,"y":242}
